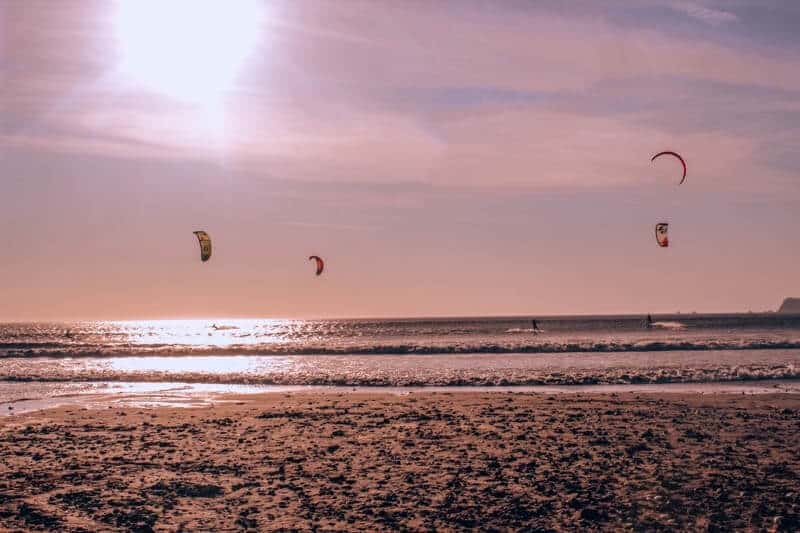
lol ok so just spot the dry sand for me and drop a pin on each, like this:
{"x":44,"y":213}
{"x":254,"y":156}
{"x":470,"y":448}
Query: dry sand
{"x":420,"y":461}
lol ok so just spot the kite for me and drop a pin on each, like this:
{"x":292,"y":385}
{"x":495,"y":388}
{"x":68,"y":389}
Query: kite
{"x":683,"y":178}
{"x":661,"y":234}
{"x":205,"y":245}
{"x":320,"y":263}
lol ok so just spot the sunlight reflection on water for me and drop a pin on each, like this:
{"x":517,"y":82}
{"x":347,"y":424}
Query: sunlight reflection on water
{"x":199,"y":364}
{"x":222,"y":333}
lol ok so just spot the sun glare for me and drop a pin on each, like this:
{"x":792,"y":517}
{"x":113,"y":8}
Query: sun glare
{"x":188,"y":50}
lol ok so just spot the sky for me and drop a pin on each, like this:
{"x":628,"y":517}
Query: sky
{"x":445,"y":158}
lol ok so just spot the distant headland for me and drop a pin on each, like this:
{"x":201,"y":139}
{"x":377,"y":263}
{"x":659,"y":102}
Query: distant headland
{"x":790,"y":305}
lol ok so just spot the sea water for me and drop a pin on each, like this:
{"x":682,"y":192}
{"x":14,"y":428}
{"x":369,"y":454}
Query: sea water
{"x":488,"y":351}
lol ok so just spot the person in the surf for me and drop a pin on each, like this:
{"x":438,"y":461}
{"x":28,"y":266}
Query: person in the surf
{"x":648,"y":323}
{"x":534,"y":327}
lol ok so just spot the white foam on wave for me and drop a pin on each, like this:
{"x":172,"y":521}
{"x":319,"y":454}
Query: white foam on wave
{"x":669,"y":325}
{"x":529,"y":343}
{"x":422,"y":370}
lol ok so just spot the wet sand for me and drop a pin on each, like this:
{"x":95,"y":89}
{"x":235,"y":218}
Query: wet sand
{"x":376,"y":461}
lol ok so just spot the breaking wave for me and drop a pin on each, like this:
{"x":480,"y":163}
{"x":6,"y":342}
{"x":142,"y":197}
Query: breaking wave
{"x":53,"y":349}
{"x":397,"y":377}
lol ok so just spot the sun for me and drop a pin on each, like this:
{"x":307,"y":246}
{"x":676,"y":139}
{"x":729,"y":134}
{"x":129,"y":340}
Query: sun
{"x":187,"y":50}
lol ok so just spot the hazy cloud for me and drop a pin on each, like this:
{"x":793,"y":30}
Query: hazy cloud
{"x":708,"y":15}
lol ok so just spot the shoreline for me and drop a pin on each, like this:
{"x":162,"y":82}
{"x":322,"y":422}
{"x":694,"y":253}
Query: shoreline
{"x":18,"y":398}
{"x":377,"y":461}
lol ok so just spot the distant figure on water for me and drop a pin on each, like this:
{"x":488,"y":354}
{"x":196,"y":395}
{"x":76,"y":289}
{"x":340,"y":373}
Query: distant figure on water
{"x":535,"y":327}
{"x":648,"y":322}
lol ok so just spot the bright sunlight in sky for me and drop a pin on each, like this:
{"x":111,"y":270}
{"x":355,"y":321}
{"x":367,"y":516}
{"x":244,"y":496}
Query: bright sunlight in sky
{"x":188,"y":50}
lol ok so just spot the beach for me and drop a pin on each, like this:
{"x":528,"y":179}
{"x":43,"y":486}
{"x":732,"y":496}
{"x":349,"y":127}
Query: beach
{"x":591,"y":422}
{"x":399,"y":266}
{"x":333,"y":460}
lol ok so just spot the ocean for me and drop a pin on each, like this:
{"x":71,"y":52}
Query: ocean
{"x":490,"y":351}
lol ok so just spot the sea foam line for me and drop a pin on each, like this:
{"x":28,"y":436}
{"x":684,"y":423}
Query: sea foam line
{"x":394,"y":377}
{"x":24,"y":350}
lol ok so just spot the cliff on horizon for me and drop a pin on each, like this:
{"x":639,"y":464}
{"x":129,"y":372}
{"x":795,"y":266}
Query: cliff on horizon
{"x":790,"y":305}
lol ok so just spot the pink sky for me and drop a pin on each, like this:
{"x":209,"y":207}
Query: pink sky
{"x":447,"y":158}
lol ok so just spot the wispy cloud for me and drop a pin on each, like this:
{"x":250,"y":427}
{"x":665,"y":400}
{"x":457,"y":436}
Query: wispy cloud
{"x":709,"y":15}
